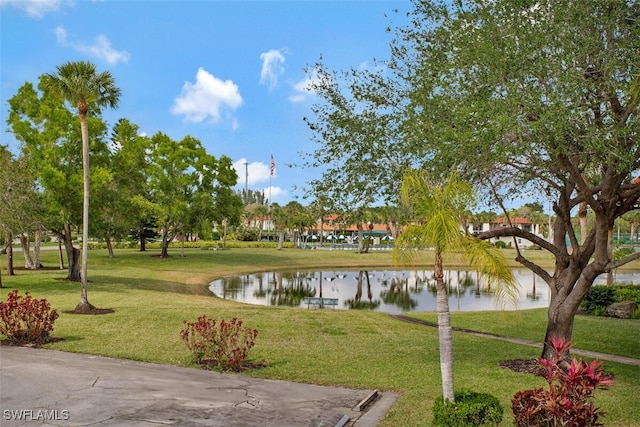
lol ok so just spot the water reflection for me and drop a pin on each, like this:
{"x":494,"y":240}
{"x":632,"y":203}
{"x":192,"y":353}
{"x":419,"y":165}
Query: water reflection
{"x":391,"y":291}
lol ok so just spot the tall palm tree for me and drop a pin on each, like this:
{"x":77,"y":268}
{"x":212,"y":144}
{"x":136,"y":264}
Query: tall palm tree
{"x":82,"y":86}
{"x":442,"y":209}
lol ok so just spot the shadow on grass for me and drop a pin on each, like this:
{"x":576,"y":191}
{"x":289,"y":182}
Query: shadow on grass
{"x":112,"y":284}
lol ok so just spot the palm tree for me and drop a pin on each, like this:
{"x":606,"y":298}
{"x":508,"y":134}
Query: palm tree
{"x":81,"y":85}
{"x":441,"y":208}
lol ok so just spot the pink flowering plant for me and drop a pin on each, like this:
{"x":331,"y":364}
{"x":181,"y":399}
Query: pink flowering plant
{"x":226,"y":343}
{"x":568,"y":399}
{"x":24,"y":319}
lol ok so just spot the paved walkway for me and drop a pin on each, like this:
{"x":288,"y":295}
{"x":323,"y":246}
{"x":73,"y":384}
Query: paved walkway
{"x":41,"y":387}
{"x":584,"y":353}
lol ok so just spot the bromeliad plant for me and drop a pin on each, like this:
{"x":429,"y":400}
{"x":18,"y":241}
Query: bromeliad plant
{"x":26,"y":320}
{"x":568,"y":400}
{"x":226,"y":343}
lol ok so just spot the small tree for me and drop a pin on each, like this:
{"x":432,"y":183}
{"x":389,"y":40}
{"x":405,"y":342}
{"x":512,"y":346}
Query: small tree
{"x":442,"y":207}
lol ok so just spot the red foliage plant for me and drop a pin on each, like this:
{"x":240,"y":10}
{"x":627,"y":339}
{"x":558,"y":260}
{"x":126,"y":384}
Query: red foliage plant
{"x":568,"y":400}
{"x":24,"y":319}
{"x":224,"y":342}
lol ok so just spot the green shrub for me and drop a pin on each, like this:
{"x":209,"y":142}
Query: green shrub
{"x":598,"y":299}
{"x":627,"y":293}
{"x":500,"y":244}
{"x":469,"y":409}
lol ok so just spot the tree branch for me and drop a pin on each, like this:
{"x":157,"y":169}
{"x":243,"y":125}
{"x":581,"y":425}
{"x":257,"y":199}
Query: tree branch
{"x":621,"y":262}
{"x":517,"y":232}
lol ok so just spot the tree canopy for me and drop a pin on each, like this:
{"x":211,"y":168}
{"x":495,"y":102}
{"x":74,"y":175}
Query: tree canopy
{"x":526,"y":100}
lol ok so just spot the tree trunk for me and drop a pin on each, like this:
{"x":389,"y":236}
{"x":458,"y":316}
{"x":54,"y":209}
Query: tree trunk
{"x":559,"y":324}
{"x":109,"y":246}
{"x":143,"y":239}
{"x":164,"y":250}
{"x":610,"y":253}
{"x":60,"y":257}
{"x":445,"y":332}
{"x":84,"y":301}
{"x":360,"y":239}
{"x":224,"y":235}
{"x":10,"y":271}
{"x":280,"y":238}
{"x":36,"y":249}
{"x":26,"y":251}
{"x":73,"y":255}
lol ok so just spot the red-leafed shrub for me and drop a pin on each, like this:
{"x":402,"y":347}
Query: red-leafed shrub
{"x":24,"y":319}
{"x":224,"y":342}
{"x":568,"y":400}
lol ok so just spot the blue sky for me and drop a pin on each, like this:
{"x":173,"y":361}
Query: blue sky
{"x":230,"y":73}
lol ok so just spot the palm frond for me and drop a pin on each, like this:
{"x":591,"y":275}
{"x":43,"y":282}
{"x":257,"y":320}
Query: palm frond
{"x":490,"y":262}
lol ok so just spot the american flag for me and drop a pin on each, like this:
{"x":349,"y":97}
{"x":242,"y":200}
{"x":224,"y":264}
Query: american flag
{"x":273,"y":165}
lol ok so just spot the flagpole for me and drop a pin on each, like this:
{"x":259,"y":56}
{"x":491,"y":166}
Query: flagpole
{"x":272,"y":167}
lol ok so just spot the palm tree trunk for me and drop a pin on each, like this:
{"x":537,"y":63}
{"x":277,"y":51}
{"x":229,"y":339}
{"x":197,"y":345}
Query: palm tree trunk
{"x":445,"y":333}
{"x":280,"y":238}
{"x":84,"y":300}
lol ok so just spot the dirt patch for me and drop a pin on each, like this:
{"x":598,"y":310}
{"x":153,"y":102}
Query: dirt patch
{"x":91,"y":311}
{"x":525,"y":366}
{"x":212,"y":365}
{"x":30,"y":344}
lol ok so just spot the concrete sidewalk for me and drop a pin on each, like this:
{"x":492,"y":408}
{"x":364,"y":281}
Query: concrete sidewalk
{"x":48,"y":387}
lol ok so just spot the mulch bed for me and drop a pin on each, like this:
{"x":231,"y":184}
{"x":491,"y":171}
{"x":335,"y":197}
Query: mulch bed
{"x":525,"y":366}
{"x":211,"y":365}
{"x":93,"y":311}
{"x":30,"y":344}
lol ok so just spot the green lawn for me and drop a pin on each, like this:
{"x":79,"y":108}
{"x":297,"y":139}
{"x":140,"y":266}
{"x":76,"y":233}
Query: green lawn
{"x":151,"y":297}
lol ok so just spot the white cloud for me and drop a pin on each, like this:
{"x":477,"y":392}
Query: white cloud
{"x":36,"y":8}
{"x":272,"y":67}
{"x":252,"y":173}
{"x":304,"y":88}
{"x":100,"y":49}
{"x":274,"y":193}
{"x":206,"y":97}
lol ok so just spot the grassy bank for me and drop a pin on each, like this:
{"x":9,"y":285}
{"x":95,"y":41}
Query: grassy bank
{"x":151,"y":297}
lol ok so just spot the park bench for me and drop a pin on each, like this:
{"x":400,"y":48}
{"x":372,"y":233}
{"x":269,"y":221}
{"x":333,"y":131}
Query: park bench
{"x":321,"y":302}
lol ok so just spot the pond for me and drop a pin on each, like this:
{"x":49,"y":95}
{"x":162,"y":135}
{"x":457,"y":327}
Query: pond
{"x":389,"y":291}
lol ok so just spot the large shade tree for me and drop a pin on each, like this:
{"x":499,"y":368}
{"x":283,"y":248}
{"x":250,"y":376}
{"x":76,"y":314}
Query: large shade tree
{"x":185,"y":181}
{"x":49,"y":135}
{"x":80,"y":84}
{"x":525,"y":99}
{"x":535,"y":96}
{"x":18,"y":202}
{"x":441,"y":208}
